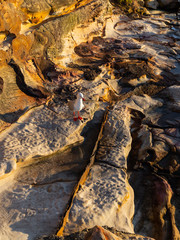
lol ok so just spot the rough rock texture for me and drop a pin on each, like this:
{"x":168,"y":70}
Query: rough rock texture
{"x":56,"y":33}
{"x":101,"y":233}
{"x":13,"y":101}
{"x":40,"y":132}
{"x":173,"y":93}
{"x":127,"y":67}
{"x":153,"y":4}
{"x":115,"y":144}
{"x":98,"y":232}
{"x":35,"y":197}
{"x":106,"y":191}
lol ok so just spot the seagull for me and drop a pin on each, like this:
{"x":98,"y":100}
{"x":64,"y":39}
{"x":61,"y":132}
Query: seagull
{"x":77,"y":106}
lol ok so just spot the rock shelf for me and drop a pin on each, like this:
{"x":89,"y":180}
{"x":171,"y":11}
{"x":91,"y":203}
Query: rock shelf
{"x":115,"y":174}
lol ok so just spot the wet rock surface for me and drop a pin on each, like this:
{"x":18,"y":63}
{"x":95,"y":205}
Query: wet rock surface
{"x":115,"y":174}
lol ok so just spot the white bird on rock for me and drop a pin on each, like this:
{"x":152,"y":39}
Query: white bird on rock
{"x":77,"y":106}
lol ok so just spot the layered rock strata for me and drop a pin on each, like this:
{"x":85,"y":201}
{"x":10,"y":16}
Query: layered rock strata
{"x":55,"y":50}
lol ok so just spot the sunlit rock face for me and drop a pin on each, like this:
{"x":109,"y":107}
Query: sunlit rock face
{"x":32,"y":40}
{"x":125,"y":62}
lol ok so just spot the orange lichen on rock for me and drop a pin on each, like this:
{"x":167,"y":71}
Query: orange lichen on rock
{"x":35,"y":18}
{"x":3,"y":57}
{"x":21,"y":46}
{"x":10,"y":18}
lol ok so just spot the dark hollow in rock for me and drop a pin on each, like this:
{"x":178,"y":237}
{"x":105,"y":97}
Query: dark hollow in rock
{"x":1,"y":85}
{"x":91,"y":74}
{"x":83,"y":50}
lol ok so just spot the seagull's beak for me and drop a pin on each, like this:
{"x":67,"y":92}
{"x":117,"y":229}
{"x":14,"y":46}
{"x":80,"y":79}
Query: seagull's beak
{"x":83,"y":99}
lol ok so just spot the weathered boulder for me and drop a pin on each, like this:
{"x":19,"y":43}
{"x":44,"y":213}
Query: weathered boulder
{"x":154,"y":204}
{"x":171,"y":136}
{"x":143,"y":103}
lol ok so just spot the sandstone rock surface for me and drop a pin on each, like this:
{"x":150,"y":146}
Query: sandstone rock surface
{"x":106,"y":191}
{"x":128,"y":65}
{"x":40,"y":132}
{"x":13,"y":101}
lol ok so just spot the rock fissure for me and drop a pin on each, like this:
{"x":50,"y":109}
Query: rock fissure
{"x":56,"y":181}
{"x":83,"y":177}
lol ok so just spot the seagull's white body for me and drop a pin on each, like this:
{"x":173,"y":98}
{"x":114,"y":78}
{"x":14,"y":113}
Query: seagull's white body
{"x":77,"y":105}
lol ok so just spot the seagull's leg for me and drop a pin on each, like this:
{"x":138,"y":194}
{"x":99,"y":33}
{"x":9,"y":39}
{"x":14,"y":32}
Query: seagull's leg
{"x":80,"y":118}
{"x":75,"y":118}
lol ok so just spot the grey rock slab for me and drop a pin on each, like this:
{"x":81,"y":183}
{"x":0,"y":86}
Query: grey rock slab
{"x":143,"y":28}
{"x":153,"y":4}
{"x":176,"y":70}
{"x":29,"y":212}
{"x":115,"y":144}
{"x":34,"y":198}
{"x":39,"y":132}
{"x":142,"y":103}
{"x":171,"y":137}
{"x":173,"y":93}
{"x":106,"y":198}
